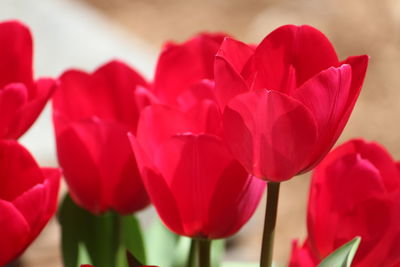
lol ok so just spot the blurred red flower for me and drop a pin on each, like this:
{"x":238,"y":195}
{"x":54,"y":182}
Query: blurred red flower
{"x":92,"y":115}
{"x":22,"y":98}
{"x":355,"y":191}
{"x":28,"y":199}
{"x":286,"y":101}
{"x":181,"y":69}
{"x":195,"y":184}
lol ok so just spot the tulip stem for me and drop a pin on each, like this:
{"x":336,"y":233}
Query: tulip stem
{"x":192,"y":254}
{"x":269,"y":224}
{"x":204,"y":246}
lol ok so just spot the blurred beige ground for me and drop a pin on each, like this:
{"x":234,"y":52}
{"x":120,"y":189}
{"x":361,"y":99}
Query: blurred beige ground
{"x":355,"y":27}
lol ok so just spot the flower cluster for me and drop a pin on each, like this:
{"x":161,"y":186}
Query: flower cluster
{"x":220,"y":121}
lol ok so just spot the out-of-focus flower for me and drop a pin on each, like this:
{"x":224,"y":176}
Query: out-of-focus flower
{"x":285,"y":101}
{"x":22,"y":98}
{"x":92,"y":115}
{"x":355,"y":191}
{"x":183,"y":69}
{"x":28,"y":199}
{"x":194,"y":182}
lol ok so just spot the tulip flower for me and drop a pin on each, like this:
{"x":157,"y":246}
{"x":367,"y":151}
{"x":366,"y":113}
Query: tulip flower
{"x":28,"y":199}
{"x":355,"y":191}
{"x":22,"y":98}
{"x":92,"y":115}
{"x":186,"y":69}
{"x":285,"y":101}
{"x":197,"y":187}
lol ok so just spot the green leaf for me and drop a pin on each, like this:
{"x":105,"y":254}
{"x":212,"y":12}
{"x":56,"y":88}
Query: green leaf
{"x":343,"y":256}
{"x":83,"y":255}
{"x":83,"y":229}
{"x":99,"y":235}
{"x":161,"y":244}
{"x":70,"y":234}
{"x":131,"y":237}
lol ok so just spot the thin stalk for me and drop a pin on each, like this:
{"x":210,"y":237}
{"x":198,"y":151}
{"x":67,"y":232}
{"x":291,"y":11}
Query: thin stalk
{"x":269,"y":224}
{"x":204,"y":247}
{"x":192,"y":254}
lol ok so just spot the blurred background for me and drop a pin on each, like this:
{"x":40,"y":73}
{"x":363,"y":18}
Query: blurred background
{"x":86,"y":33}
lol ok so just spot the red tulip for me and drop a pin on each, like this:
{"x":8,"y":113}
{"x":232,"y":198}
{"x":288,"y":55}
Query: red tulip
{"x":22,"y":98}
{"x":92,"y":115}
{"x":355,"y":191}
{"x":181,"y":67}
{"x":195,"y":184}
{"x":285,"y":101}
{"x":28,"y":199}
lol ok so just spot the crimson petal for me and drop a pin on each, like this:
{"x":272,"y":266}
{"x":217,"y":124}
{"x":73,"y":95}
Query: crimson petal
{"x":270,"y":133}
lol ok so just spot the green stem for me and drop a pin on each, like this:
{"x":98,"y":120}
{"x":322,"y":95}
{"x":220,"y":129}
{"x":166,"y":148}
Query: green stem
{"x":192,"y":254}
{"x":204,"y":246}
{"x":269,"y":224}
{"x":120,"y":256}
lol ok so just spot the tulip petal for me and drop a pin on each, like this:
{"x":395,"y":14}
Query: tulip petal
{"x":115,"y":85}
{"x":79,"y":163}
{"x":15,"y":54}
{"x":191,"y":165}
{"x":291,"y":55}
{"x":198,"y":92}
{"x":32,"y":204}
{"x":108,"y":93}
{"x":359,"y":66}
{"x":159,"y":192}
{"x":52,"y":185}
{"x":121,"y":173}
{"x":229,"y":63}
{"x":157,"y":123}
{"x":19,"y":171}
{"x":205,"y":118}
{"x":234,"y":201}
{"x":326,"y":95}
{"x":106,"y":171}
{"x":357,"y":173}
{"x":373,"y":218}
{"x":271,"y":134}
{"x":181,"y":65}
{"x":302,"y":256}
{"x":14,"y":232}
{"x":29,"y":112}
{"x":12,"y":98}
{"x":382,"y":161}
